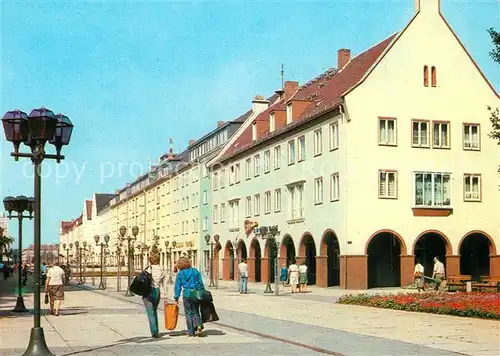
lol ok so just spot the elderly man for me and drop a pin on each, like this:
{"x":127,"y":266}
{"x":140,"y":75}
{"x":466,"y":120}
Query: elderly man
{"x":438,"y":273}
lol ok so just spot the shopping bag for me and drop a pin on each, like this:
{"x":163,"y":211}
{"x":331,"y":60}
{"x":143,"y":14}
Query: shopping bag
{"x":171,"y":315}
{"x":46,"y":300}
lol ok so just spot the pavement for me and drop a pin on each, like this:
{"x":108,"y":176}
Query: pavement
{"x":95,"y":322}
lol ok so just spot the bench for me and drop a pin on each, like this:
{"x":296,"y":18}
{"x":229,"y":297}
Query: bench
{"x":488,"y":283}
{"x":457,"y":282}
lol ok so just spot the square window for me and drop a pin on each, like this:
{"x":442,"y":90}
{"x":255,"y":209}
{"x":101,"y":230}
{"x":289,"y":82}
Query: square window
{"x":472,"y":187}
{"x":441,"y":134}
{"x":471,"y":139}
{"x":387,"y":184}
{"x":420,"y":133}
{"x":387,"y":131}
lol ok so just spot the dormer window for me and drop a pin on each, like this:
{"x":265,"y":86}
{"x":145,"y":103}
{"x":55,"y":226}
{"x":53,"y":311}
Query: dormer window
{"x":272,"y":122}
{"x":254,"y":131}
{"x":289,"y":114}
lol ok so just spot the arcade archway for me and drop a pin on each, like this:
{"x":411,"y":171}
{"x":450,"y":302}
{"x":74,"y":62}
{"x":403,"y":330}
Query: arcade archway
{"x":428,"y":245}
{"x":256,"y":253}
{"x":287,"y":250}
{"x":384,"y":265}
{"x":475,"y":251}
{"x":308,"y":250}
{"x":330,"y":247}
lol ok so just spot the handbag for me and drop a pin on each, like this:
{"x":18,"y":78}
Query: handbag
{"x":141,"y":284}
{"x":46,"y":299}
{"x":171,"y":312}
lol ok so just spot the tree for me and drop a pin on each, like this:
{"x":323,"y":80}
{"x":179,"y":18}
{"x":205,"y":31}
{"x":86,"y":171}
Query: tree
{"x":494,"y":112}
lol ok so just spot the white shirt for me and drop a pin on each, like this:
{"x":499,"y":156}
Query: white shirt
{"x":438,"y":267}
{"x":293,"y":268}
{"x":157,"y":278}
{"x":55,"y":275}
{"x":243,"y":267}
{"x":302,"y":269}
{"x":418,"y":268}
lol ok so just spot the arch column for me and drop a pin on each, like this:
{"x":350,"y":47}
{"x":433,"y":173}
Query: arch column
{"x":495,"y":266}
{"x":264,"y":269}
{"x":322,"y":271}
{"x":251,"y":269}
{"x":354,"y":271}
{"x":452,"y":265}
{"x":407,"y":263}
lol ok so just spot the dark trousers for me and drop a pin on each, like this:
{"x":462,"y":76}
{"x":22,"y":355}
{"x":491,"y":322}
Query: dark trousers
{"x":192,"y":312}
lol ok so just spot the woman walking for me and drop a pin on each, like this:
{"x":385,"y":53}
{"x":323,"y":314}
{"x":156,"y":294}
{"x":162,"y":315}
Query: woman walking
{"x":189,"y":281}
{"x":284,"y":274}
{"x":54,"y":286}
{"x":303,"y":277}
{"x":152,"y":300}
{"x":293,"y":271}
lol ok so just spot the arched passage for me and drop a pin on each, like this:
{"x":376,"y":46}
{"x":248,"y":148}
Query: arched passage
{"x":287,"y":250}
{"x":241,"y":250}
{"x":330,"y":247}
{"x":428,"y":245}
{"x":308,"y":250}
{"x":475,"y":250}
{"x":228,"y":267}
{"x":384,"y":264}
{"x":256,"y":253}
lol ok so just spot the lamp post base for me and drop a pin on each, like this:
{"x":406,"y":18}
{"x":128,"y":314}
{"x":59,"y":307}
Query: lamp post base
{"x":20,"y":308}
{"x":102,"y":286}
{"x":37,"y":345}
{"x":268,"y":288}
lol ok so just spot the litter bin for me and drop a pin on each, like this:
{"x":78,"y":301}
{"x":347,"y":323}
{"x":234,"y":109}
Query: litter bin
{"x":468,"y":286}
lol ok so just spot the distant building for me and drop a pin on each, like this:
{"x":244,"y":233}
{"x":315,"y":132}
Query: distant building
{"x":4,"y":224}
{"x":48,"y":253}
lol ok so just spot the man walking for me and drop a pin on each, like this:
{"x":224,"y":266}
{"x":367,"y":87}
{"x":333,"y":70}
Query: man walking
{"x":243,"y":268}
{"x":438,"y":273}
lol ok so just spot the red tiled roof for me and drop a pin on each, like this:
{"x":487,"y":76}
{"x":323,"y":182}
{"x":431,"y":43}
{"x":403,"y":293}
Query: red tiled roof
{"x":324,"y":93}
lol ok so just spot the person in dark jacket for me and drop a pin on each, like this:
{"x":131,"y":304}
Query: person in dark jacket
{"x":188,"y":281}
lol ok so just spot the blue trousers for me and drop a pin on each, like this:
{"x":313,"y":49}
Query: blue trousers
{"x":151,"y":304}
{"x":192,"y":312}
{"x":243,"y":284}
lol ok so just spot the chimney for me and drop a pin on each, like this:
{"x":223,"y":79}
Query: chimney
{"x":220,"y":123}
{"x":259,"y":104}
{"x":192,"y":142}
{"x":290,"y":89}
{"x":344,"y":56}
{"x":417,"y":5}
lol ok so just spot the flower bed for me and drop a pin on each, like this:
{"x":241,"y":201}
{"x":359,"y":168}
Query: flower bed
{"x":478,"y":305}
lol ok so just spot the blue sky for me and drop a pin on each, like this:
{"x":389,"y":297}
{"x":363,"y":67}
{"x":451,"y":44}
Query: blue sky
{"x":132,"y":74}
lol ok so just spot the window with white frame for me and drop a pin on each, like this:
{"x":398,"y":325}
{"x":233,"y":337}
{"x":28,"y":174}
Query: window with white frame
{"x":256,"y":165}
{"x":248,"y":207}
{"x":441,"y":134}
{"x":472,"y":187}
{"x":296,"y":201}
{"x":432,"y":189}
{"x":387,"y":131}
{"x":267,"y":161}
{"x":248,"y":168}
{"x":334,"y":136}
{"x":267,"y":202}
{"x":334,"y":187}
{"x":289,"y":114}
{"x":471,"y":137}
{"x":387,"y":184}
{"x":205,"y":197}
{"x":231,"y":175}
{"x":420,"y":133}
{"x":222,"y":212}
{"x":318,"y":142}
{"x":222,"y":178}
{"x":272,"y":122}
{"x":215,"y":214}
{"x":302,"y":148}
{"x":234,"y":213}
{"x":277,"y":200}
{"x":291,"y":152}
{"x":256,"y":204}
{"x":205,"y":223}
{"x":237,"y":173}
{"x":318,"y":190}
{"x":215,"y":181}
{"x":277,"y":157}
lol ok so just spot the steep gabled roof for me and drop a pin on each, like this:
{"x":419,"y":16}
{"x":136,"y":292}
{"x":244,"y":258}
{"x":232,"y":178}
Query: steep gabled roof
{"x":323,"y":93}
{"x":101,"y":201}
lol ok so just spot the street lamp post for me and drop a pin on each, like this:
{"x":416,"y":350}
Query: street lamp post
{"x":211,"y":244}
{"x":130,"y":252}
{"x":80,"y":249}
{"x":169,"y":259}
{"x":19,"y":205}
{"x":34,"y":131}
{"x":102,"y":245}
{"x":119,"y":266}
{"x":269,"y":234}
{"x":143,"y":248}
{"x":67,"y":248}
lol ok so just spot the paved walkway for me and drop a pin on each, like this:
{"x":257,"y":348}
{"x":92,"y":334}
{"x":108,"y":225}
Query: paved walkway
{"x":107,"y":323}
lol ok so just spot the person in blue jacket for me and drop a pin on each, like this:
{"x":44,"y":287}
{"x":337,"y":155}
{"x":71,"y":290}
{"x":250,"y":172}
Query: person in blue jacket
{"x":188,"y":281}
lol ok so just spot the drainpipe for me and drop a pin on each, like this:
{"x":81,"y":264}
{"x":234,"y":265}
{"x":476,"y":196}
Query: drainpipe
{"x":344,"y":124}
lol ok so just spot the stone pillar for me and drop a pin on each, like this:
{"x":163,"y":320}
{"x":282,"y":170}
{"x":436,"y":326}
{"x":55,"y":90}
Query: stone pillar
{"x":495,"y":266}
{"x":299,"y":259}
{"x":225,"y":268}
{"x":251,"y":269}
{"x":263,"y":269}
{"x":236,"y":269}
{"x":407,"y":265}
{"x":322,"y":271}
{"x":354,"y":272}
{"x":282,"y":262}
{"x":452,"y":265}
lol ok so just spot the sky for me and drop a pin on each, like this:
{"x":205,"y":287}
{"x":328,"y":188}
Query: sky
{"x":131,"y":74}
